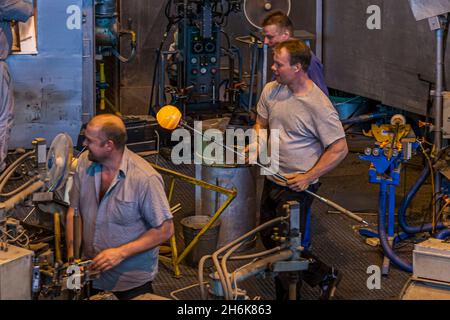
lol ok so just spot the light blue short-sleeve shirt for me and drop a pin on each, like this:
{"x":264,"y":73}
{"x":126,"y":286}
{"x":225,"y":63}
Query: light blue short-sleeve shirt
{"x":134,"y":203}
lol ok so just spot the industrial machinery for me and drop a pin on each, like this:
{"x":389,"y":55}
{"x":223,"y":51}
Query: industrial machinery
{"x":395,"y":143}
{"x":33,"y":250}
{"x":194,"y":61}
{"x":196,"y":58}
{"x":108,"y":35}
{"x":286,"y":257}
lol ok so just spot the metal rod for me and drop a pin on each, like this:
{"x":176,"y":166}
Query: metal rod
{"x":284,"y":179}
{"x":337,"y":207}
{"x":76,"y":238}
{"x":252,"y":76}
{"x":319,"y":29}
{"x":438,"y":105}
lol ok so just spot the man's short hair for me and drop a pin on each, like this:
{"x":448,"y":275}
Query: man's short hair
{"x":299,"y":52}
{"x":281,"y":20}
{"x":112,"y":128}
{"x":116,"y":134}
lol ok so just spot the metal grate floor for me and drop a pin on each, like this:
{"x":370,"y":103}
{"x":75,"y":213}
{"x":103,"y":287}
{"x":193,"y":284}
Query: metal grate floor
{"x":335,"y":241}
{"x":334,"y":238}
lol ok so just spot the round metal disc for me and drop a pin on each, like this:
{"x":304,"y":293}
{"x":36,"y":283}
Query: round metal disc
{"x":256,"y":10}
{"x":59,"y":158}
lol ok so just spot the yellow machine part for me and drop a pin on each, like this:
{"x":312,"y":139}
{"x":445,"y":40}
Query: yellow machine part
{"x":385,"y":132}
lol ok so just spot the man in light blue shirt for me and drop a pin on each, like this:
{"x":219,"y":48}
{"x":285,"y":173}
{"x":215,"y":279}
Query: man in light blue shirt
{"x":124,"y":210}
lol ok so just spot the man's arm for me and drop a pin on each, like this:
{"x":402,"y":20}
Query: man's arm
{"x":251,"y":151}
{"x":261,"y":123}
{"x":332,"y":156}
{"x":110,"y":258}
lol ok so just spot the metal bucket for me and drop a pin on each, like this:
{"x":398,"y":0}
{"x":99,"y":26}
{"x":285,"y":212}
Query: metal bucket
{"x":240,"y":216}
{"x":206,"y":244}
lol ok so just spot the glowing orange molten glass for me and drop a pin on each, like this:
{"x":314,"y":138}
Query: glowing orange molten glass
{"x":168,"y":117}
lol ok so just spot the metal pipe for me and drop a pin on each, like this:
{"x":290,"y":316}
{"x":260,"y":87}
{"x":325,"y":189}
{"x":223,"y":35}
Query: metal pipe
{"x":319,"y":29}
{"x":438,"y":105}
{"x":261,"y":265}
{"x":76,"y":240}
{"x":264,"y":64}
{"x":11,"y":202}
{"x":388,"y":251}
{"x":241,"y":238}
{"x":15,"y":191}
{"x":391,"y":212}
{"x":8,"y":171}
{"x":406,"y":202}
{"x":241,"y":257}
{"x":337,"y":207}
{"x":229,"y":287}
{"x":443,"y":234}
{"x":252,"y":76}
{"x":161,"y":79}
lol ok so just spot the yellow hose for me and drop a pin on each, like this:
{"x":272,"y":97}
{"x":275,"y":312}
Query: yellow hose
{"x":102,"y":91}
{"x":57,"y":226}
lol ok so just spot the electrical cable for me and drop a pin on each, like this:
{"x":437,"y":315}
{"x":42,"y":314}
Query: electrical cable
{"x":433,"y":220}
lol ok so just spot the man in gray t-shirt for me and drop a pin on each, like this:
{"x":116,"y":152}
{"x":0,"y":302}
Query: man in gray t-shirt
{"x":311,"y":143}
{"x":124,"y":210}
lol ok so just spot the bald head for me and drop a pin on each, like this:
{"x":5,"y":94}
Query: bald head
{"x":110,"y":127}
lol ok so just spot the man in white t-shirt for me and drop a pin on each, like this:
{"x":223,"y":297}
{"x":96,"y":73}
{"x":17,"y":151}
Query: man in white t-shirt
{"x":311,"y":143}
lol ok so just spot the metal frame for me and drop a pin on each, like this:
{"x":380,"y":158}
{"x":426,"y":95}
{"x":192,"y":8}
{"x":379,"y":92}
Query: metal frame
{"x":176,"y":259}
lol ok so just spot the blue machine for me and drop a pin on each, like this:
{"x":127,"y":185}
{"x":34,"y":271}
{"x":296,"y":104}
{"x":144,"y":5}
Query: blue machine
{"x":391,"y":150}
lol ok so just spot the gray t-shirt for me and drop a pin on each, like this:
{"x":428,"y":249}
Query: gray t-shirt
{"x":307,"y":125}
{"x":134,"y":203}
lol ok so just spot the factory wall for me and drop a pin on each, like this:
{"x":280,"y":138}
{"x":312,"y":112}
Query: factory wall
{"x":53,"y":88}
{"x":385,"y":65}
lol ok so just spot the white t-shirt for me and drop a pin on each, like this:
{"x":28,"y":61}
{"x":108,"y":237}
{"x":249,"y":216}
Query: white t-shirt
{"x":307,"y":125}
